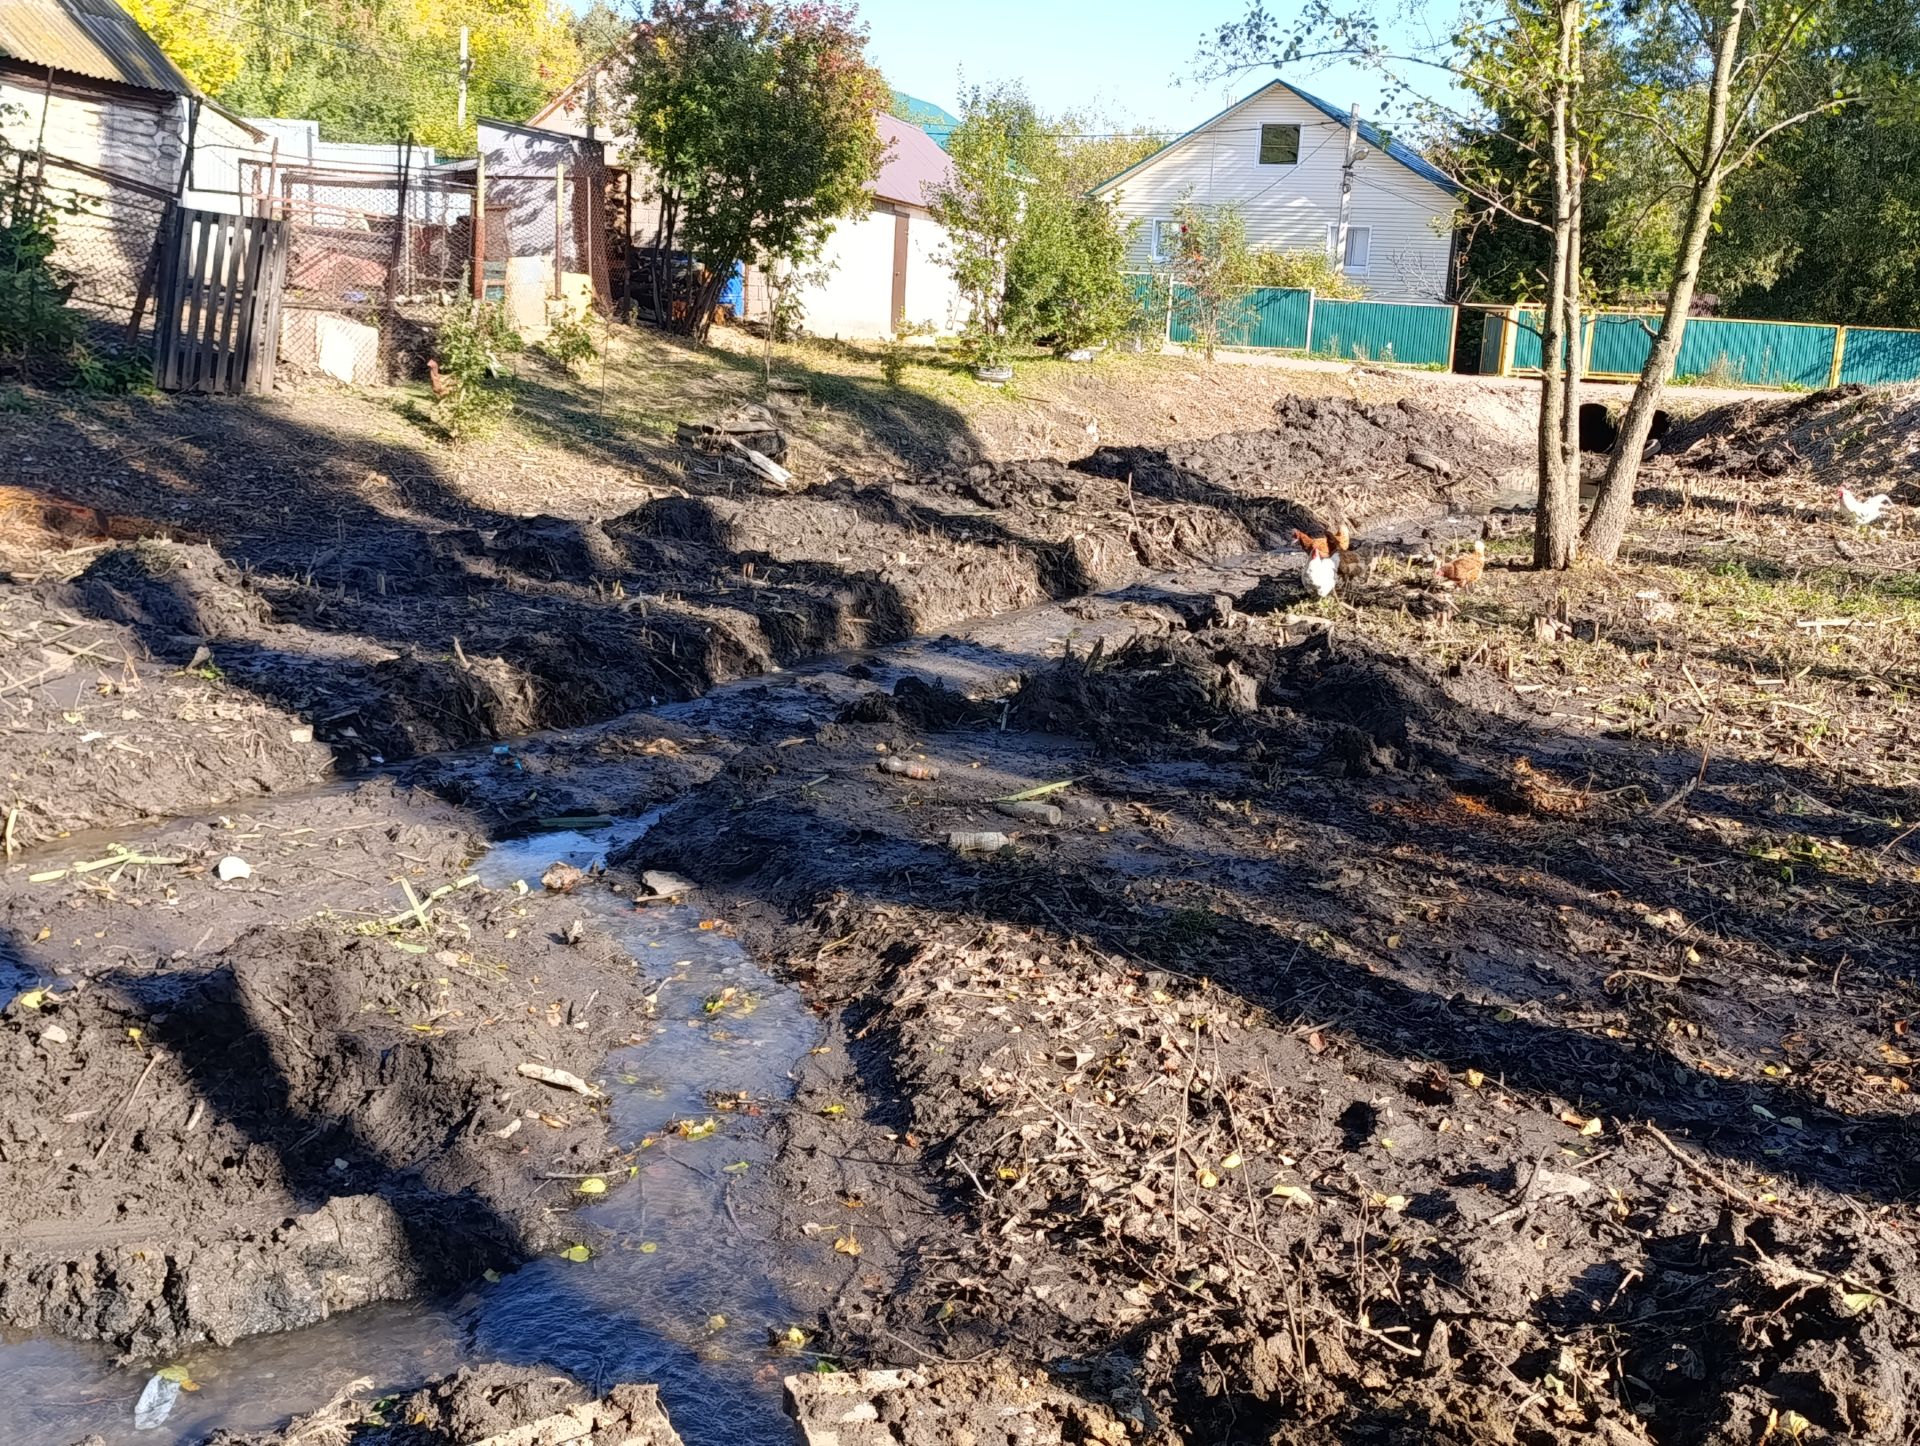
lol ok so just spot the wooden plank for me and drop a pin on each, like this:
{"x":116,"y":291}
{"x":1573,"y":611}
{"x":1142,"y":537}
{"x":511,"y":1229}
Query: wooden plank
{"x":239,"y":346}
{"x":201,"y":237}
{"x":273,"y":287}
{"x":239,"y":282}
{"x":206,"y":370}
{"x":179,"y":266}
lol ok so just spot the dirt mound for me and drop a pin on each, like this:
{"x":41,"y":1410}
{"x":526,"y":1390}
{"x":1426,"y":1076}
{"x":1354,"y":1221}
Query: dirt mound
{"x":556,"y":549}
{"x":943,"y":1404}
{"x":1327,"y":459}
{"x":312,"y":1120}
{"x":1360,"y":708}
{"x":1868,"y":436}
{"x":173,"y":596}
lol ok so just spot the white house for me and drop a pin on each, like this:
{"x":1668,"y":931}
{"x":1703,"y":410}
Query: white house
{"x":1278,"y":156}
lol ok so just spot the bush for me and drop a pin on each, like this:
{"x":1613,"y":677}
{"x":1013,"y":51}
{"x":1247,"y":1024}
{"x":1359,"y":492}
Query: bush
{"x":34,"y":318}
{"x":478,"y":393}
{"x":1303,"y":270}
{"x":570,"y":342}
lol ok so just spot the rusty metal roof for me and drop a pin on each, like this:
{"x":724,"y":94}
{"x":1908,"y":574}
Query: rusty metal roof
{"x":94,"y":38}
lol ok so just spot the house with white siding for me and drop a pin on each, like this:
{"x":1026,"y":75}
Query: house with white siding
{"x":1279,"y":157}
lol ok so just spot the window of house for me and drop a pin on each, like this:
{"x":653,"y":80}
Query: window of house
{"x":1279,"y":145}
{"x":1166,"y":237}
{"x":1359,"y":248}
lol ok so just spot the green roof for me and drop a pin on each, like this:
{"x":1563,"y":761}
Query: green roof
{"x":936,"y":121}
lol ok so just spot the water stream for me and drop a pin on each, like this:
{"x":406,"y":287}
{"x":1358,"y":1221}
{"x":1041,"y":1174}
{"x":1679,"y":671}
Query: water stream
{"x":675,"y":1292}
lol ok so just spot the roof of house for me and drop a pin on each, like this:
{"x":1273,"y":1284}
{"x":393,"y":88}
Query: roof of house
{"x":1405,"y":155}
{"x":914,"y":165}
{"x":94,"y":38}
{"x":937,"y":121}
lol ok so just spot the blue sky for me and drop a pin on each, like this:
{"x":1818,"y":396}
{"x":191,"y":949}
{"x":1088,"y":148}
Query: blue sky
{"x":1131,"y":58}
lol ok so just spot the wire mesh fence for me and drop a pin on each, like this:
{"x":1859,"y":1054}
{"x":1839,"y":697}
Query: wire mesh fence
{"x":103,"y":228}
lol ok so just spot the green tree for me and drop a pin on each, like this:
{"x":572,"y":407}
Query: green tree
{"x":757,"y":117}
{"x":983,"y":207}
{"x":1211,"y":270}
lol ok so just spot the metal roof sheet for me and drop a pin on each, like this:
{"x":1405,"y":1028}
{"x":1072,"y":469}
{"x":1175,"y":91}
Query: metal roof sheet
{"x":913,"y":166}
{"x":94,"y":38}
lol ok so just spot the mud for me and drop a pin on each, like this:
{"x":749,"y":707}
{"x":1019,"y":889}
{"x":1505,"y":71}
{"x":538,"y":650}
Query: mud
{"x":309,"y":1120}
{"x":399,"y":626}
{"x":1309,"y":1075}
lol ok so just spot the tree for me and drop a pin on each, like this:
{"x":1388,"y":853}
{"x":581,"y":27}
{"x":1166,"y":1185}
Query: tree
{"x":1210,"y":272}
{"x":207,"y":44}
{"x":1737,"y":52}
{"x":983,"y":207}
{"x":600,"y":30}
{"x":758,"y":118}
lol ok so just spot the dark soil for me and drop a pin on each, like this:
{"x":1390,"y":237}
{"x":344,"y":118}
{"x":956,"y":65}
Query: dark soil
{"x":1363,"y":1056}
{"x":344,"y":591}
{"x":314,"y":1117}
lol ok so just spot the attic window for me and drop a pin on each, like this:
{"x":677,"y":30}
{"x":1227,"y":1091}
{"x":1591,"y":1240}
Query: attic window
{"x":1279,"y":145}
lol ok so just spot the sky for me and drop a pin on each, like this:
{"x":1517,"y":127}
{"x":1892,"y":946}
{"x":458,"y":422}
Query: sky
{"x":1132,"y":59}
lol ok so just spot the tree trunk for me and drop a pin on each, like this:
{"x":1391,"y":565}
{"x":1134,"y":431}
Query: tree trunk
{"x":1556,"y":523}
{"x":1608,"y":524}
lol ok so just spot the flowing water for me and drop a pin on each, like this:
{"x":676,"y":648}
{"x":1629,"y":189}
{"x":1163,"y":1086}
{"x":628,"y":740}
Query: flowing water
{"x":675,"y":1292}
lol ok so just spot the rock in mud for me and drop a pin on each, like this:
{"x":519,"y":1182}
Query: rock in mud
{"x":490,"y":1405}
{"x":947,"y":1404}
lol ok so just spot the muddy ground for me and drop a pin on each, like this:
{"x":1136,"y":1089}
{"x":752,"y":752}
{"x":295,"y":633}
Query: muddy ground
{"x":1435,"y":1015}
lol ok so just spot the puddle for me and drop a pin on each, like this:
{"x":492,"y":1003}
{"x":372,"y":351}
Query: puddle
{"x":675,"y":1292}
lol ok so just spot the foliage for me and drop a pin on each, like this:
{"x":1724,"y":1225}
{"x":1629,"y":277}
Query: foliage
{"x":599,"y":30}
{"x":1036,"y":258}
{"x":1210,"y":273}
{"x":469,"y":349}
{"x":982,"y":208}
{"x":112,"y":373}
{"x":372,"y":72}
{"x":757,"y":118}
{"x":34,"y":318}
{"x":1303,"y":270}
{"x":570,"y":342}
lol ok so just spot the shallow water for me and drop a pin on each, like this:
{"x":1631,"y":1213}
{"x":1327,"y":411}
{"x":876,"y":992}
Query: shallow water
{"x":675,"y":1292}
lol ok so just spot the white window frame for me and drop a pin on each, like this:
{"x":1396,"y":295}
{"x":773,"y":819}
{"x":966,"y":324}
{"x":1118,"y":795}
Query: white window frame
{"x":1333,"y":247}
{"x":1158,"y":251}
{"x":1259,"y":141}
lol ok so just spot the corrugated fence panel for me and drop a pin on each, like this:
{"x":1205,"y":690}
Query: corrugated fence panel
{"x":1758,"y":353}
{"x":1271,"y":318}
{"x":1384,"y":331}
{"x":1621,"y":343}
{"x":1527,"y":347}
{"x":1874,"y":356}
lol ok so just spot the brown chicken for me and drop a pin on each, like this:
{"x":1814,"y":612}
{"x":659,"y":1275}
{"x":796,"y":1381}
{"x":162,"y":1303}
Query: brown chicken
{"x":443,"y":387}
{"x":1465,"y":570}
{"x":1323,"y":546}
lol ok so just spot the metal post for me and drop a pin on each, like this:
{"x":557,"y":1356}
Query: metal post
{"x":559,"y":225}
{"x":478,"y":240}
{"x":1346,"y":193}
{"x":397,"y":264}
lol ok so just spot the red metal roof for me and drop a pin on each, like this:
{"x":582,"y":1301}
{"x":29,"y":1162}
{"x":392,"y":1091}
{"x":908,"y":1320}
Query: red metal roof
{"x":913,"y":166}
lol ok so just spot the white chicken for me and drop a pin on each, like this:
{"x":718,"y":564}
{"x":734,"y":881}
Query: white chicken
{"x":1863,"y":511}
{"x":1323,"y":574}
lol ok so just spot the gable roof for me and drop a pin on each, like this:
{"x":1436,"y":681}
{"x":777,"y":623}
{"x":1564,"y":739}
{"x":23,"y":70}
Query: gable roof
{"x":914,"y":164}
{"x":1405,"y":155}
{"x":94,"y":38}
{"x":937,"y":121}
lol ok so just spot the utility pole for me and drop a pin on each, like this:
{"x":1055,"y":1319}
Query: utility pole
{"x":466,"y":66}
{"x":1346,"y":192}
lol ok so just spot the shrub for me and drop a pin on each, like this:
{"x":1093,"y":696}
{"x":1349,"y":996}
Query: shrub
{"x":34,"y":317}
{"x":478,"y":391}
{"x":570,"y":342}
{"x":1303,"y":270}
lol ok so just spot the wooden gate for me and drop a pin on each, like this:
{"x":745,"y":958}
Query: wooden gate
{"x":217,"y":328}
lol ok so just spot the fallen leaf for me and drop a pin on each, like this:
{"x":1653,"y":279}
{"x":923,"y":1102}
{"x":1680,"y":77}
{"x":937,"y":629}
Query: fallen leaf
{"x":1475,"y":1079}
{"x":647,"y":1247}
{"x":738,"y":1167}
{"x":592,"y":1185}
{"x":833,"y":1109}
{"x":1206,"y":1178}
{"x":1859,"y":1302}
{"x":847,"y":1245}
{"x":576,"y":1253}
{"x":1294,"y":1195}
{"x":1393,"y":1203}
{"x":716,"y":1322}
{"x":32,"y":999}
{"x":1232,"y":1162}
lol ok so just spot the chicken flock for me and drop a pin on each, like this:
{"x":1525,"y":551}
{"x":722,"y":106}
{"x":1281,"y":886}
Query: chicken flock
{"x":1329,"y":556}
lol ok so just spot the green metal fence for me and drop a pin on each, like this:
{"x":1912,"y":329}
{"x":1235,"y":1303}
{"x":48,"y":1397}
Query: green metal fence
{"x":1281,"y":319}
{"x":1736,"y":352}
{"x":1384,"y":331}
{"x":1269,"y":318}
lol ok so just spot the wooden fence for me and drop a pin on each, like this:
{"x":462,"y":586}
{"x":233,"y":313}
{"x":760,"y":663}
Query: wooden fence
{"x":217,"y":322}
